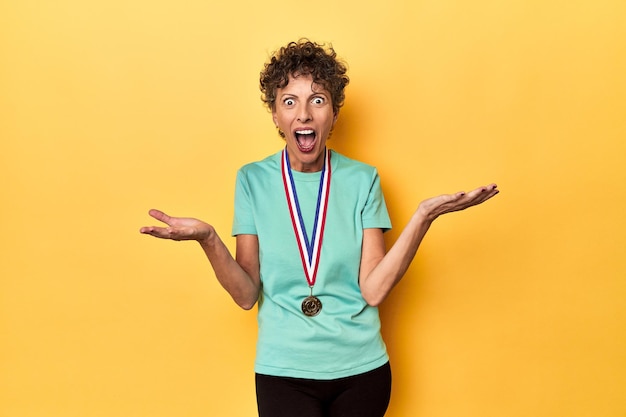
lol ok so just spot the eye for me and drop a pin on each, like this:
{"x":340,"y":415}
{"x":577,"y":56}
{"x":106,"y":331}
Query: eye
{"x":289,"y":102}
{"x":318,"y":100}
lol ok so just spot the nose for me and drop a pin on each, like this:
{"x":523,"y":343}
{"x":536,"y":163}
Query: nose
{"x":304,"y":113}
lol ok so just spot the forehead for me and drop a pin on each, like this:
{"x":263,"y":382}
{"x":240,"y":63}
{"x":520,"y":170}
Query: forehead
{"x":302,"y":83}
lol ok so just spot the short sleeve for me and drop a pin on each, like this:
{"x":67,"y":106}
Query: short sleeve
{"x":375,"y":213}
{"x":243,"y":223}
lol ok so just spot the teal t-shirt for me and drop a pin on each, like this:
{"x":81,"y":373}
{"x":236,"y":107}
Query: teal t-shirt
{"x":344,"y":338}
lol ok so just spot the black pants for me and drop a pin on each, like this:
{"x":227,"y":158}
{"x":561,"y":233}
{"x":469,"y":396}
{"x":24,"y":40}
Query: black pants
{"x":363,"y":395}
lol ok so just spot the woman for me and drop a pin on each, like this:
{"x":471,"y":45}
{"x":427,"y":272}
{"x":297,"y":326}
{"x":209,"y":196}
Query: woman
{"x":309,"y":226}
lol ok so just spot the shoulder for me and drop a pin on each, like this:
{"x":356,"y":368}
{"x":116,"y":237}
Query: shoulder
{"x":342,"y":165}
{"x":266,"y":165}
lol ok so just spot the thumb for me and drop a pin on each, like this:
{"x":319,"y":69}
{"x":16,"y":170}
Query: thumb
{"x":159,"y":215}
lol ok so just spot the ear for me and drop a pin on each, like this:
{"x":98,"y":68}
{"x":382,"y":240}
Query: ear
{"x":275,"y":118}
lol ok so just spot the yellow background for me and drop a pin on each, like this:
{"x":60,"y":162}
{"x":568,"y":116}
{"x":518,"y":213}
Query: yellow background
{"x":109,"y":108}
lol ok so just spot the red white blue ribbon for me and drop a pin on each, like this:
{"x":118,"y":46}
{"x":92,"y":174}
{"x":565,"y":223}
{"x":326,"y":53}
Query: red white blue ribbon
{"x":310,"y":250}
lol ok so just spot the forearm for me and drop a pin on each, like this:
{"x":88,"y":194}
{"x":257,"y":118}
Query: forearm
{"x":379,"y":282}
{"x":243,"y":286}
{"x":384,"y":271}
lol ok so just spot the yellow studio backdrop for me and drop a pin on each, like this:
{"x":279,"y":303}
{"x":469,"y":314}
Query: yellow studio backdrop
{"x":110,"y":108}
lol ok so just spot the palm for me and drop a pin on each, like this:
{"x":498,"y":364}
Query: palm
{"x":447,"y":203}
{"x":178,"y":228}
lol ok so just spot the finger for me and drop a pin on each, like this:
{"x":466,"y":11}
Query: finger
{"x":477,"y":196}
{"x":155,"y":231}
{"x":482,"y":194}
{"x":160,"y":232}
{"x":489,"y":190}
{"x":159,"y":215}
{"x":486,"y":189}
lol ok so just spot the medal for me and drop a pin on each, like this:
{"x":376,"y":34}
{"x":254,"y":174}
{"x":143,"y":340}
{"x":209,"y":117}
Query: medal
{"x":311,"y":306}
{"x":309,"y":250}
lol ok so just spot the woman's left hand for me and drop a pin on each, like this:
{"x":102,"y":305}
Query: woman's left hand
{"x":447,"y":203}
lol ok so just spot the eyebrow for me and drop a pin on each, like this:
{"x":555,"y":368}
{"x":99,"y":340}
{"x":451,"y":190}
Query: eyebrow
{"x":313,"y":94}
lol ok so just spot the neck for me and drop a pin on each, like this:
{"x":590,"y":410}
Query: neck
{"x":302,"y":166}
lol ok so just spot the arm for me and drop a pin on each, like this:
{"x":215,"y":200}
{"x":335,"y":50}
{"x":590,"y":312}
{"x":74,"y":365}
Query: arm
{"x":239,"y":277}
{"x":380,"y":272}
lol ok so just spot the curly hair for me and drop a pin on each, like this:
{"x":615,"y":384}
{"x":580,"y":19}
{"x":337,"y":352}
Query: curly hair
{"x":304,"y":58}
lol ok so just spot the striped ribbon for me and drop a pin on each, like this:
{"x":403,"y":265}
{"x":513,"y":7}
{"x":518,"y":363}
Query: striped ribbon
{"x":309,"y":249}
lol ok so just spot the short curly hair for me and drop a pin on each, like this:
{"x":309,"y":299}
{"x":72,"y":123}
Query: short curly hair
{"x":305,"y":57}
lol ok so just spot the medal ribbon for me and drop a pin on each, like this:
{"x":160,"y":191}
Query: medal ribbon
{"x":309,"y":250}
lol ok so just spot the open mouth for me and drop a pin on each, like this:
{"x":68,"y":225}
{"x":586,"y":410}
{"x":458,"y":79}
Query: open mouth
{"x":305,"y":139}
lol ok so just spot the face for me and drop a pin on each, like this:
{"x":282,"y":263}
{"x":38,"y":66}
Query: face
{"x":304,"y":113}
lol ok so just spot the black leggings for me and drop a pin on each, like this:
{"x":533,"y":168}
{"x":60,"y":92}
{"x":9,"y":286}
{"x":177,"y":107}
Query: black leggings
{"x":363,"y":395}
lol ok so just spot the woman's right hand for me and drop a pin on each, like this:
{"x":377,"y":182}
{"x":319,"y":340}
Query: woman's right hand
{"x":179,"y":228}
